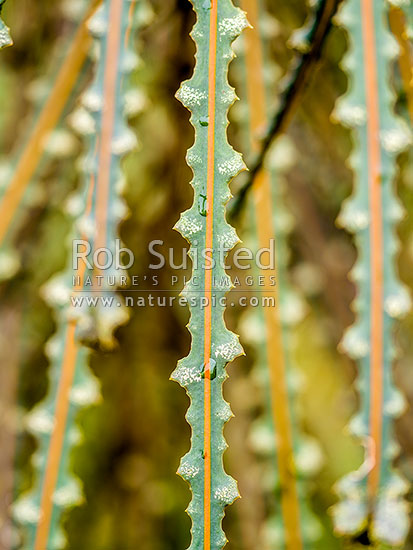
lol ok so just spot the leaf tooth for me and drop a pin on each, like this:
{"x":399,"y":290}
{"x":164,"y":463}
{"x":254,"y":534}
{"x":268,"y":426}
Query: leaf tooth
{"x":189,"y":225}
{"x":86,"y":226}
{"x":231,"y":27}
{"x":227,"y":493}
{"x":228,"y":238}
{"x":187,"y":470}
{"x":391,"y":520}
{"x":186,"y":375}
{"x":354,"y":217}
{"x":355,"y":342}
{"x":98,"y":23}
{"x":350,"y":516}
{"x":228,"y":96}
{"x":75,"y":435}
{"x":230,"y":167}
{"x":26,"y":511}
{"x":224,"y":413}
{"x":398,"y":303}
{"x":53,"y":347}
{"x":129,"y":62}
{"x":192,"y":97}
{"x":358,"y":425}
{"x":56,"y":292}
{"x":92,"y":99}
{"x":395,"y":404}
{"x":82,"y":122}
{"x":38,"y":458}
{"x":228,"y":349}
{"x":68,"y":495}
{"x":40,"y":421}
{"x":124,"y":142}
{"x":193,"y":158}
{"x":396,"y":140}
{"x":222,"y":445}
{"x":345,"y":15}
{"x":5,"y":38}
{"x":349,"y":113}
{"x":58,"y":540}
{"x":358,"y":273}
{"x":135,"y":101}
{"x":85,"y":393}
{"x":394,"y":212}
{"x":190,"y":415}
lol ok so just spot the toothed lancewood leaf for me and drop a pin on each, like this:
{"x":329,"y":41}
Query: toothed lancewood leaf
{"x":103,"y":116}
{"x":71,"y":383}
{"x":275,"y":435}
{"x":372,"y":498}
{"x":208,"y":96}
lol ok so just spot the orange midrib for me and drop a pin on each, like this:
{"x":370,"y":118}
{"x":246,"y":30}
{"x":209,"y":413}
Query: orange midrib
{"x":62,"y":407}
{"x":264,"y":216}
{"x":278,"y":377}
{"x":48,"y":119}
{"x":208,"y":271}
{"x":56,"y":442}
{"x":399,"y":28}
{"x":376,"y":240}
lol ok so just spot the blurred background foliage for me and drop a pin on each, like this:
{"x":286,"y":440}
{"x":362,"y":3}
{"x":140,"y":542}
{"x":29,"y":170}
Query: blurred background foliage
{"x":134,"y":438}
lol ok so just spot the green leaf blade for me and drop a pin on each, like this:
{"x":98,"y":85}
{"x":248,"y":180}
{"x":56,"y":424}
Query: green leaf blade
{"x":376,"y":491}
{"x":214,"y":163}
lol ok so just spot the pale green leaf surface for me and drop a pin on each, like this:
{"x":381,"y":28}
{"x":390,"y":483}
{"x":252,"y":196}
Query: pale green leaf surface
{"x":192,"y":225}
{"x":390,"y":522}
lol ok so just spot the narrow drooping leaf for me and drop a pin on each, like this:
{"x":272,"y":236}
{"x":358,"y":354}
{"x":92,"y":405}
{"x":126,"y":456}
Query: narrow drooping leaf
{"x":13,"y":191}
{"x":5,"y":38}
{"x":214,"y":163}
{"x":108,"y":101}
{"x":291,"y":525}
{"x":71,"y":383}
{"x":372,"y":499}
